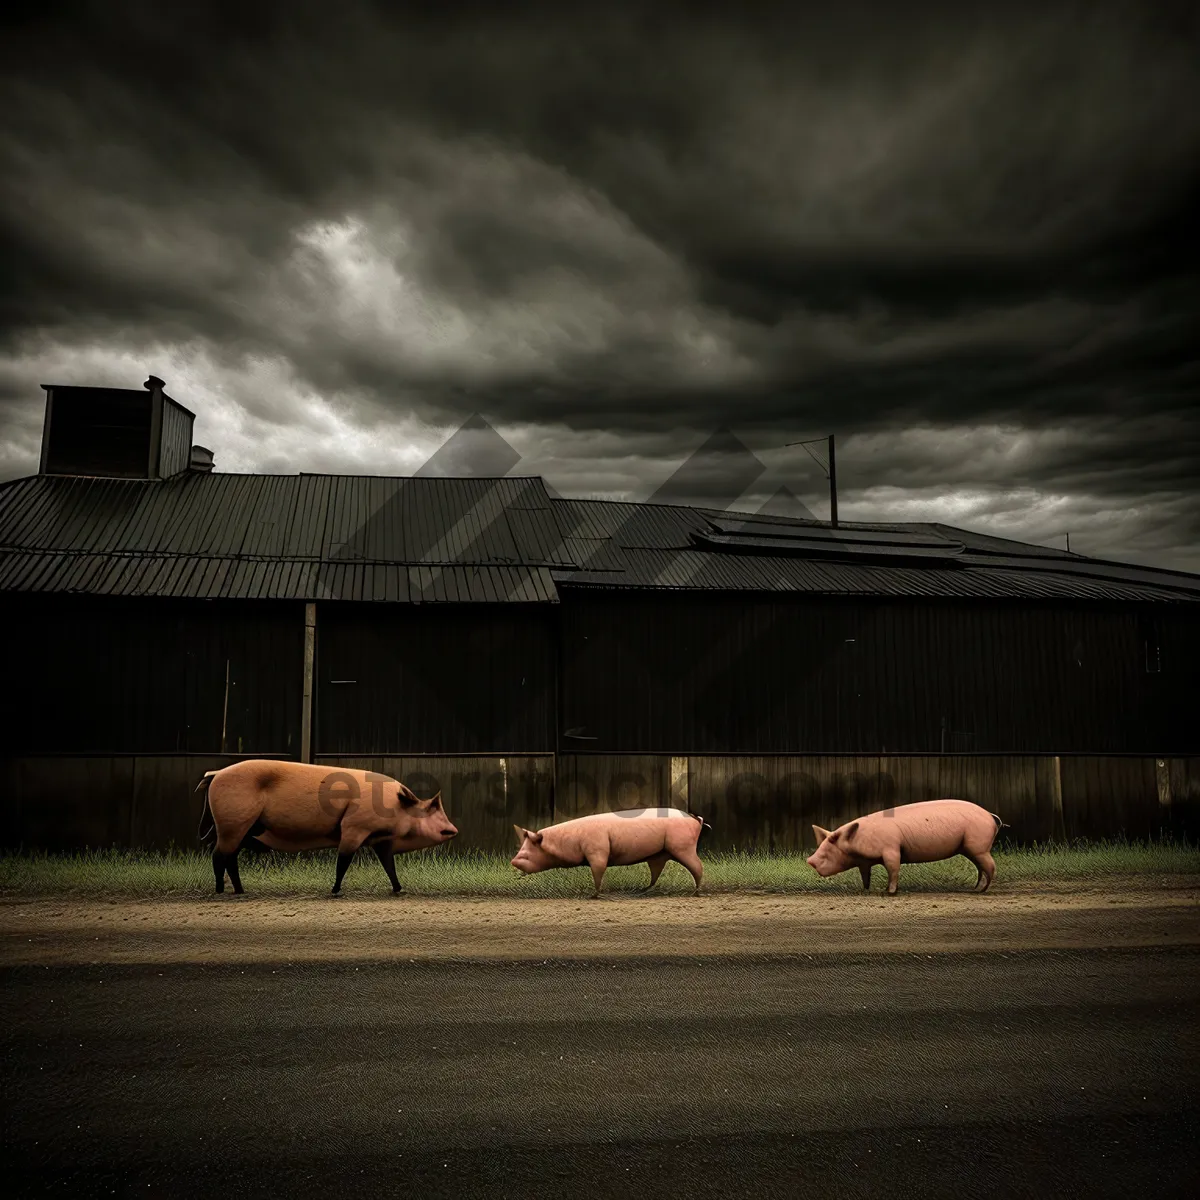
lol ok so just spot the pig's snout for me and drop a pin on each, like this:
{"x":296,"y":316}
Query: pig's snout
{"x":820,"y":865}
{"x":450,"y":832}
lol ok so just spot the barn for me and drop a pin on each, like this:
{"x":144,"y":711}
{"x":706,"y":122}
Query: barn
{"x":535,"y":657}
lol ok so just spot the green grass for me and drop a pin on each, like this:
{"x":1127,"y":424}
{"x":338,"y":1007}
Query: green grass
{"x":126,"y":873}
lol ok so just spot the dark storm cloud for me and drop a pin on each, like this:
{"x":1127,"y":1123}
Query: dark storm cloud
{"x":630,"y":225}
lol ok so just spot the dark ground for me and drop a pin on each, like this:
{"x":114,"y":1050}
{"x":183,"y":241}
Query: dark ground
{"x":1022,"y":1074}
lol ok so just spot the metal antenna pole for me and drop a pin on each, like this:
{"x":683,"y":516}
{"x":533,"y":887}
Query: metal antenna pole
{"x":830,"y":472}
{"x":832,"y":485}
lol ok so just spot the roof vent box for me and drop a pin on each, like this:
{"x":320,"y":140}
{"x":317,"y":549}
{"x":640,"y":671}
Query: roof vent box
{"x":116,"y":433}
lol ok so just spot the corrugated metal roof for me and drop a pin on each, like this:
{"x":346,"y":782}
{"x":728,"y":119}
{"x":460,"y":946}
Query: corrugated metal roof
{"x":697,"y":570}
{"x":287,"y":516}
{"x":987,"y":543}
{"x":256,"y":579}
{"x":645,"y":526}
{"x":823,"y":547}
{"x":283,"y":537}
{"x":623,"y":545}
{"x":772,"y":530}
{"x":368,"y":538}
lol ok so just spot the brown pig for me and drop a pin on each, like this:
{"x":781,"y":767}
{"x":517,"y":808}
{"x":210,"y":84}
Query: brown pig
{"x":615,"y":839}
{"x":294,"y":806}
{"x":924,"y":832}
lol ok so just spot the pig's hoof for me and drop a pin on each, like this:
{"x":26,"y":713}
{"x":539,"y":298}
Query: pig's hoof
{"x":397,"y":891}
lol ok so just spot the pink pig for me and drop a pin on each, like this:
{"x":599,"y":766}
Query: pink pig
{"x":925,"y":832}
{"x":615,"y":839}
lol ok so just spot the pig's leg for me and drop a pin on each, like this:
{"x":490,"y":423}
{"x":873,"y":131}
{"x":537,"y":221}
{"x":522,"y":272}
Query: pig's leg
{"x":343,"y":865}
{"x":231,"y":865}
{"x":348,"y":847}
{"x":865,"y":872}
{"x":656,"y":864}
{"x":986,"y":866}
{"x":598,"y":866}
{"x":231,"y":836}
{"x":978,"y":869}
{"x":691,"y":860}
{"x":891,"y":860}
{"x":387,"y":857}
{"x":221,"y":864}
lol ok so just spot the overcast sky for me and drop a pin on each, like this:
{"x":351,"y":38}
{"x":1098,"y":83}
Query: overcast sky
{"x":954,"y":235}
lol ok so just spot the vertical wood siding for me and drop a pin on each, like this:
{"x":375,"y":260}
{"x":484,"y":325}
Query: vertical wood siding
{"x":175,"y":441}
{"x":108,"y":675}
{"x":435,"y":679}
{"x":713,"y":674}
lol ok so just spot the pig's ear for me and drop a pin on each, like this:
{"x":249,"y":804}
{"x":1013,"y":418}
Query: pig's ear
{"x":520,"y":833}
{"x":822,"y":834}
{"x":851,"y":831}
{"x":406,"y":797}
{"x":436,"y":802}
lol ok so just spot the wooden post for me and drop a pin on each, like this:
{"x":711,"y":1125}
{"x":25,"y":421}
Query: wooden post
{"x":310,"y":637}
{"x":225,"y":710}
{"x":1162,"y":775}
{"x":1162,"y":778}
{"x":679,"y":784}
{"x":1059,"y":825}
{"x":832,"y":485}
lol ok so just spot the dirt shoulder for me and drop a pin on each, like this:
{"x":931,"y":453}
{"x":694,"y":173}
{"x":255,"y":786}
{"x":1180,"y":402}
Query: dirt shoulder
{"x":313,"y":928}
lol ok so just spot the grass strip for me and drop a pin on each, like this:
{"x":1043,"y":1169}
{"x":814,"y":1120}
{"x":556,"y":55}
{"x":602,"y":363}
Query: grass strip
{"x":186,"y":873}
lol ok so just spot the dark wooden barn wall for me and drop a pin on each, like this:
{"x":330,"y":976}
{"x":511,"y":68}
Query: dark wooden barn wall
{"x":763,"y":803}
{"x":435,"y":679}
{"x":719,"y":674}
{"x":111,"y":711}
{"x":92,"y":801}
{"x":137,"y":676}
{"x":771,"y":802}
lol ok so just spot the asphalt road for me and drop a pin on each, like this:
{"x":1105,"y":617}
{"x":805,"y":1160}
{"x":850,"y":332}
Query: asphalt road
{"x":1026,"y":1074}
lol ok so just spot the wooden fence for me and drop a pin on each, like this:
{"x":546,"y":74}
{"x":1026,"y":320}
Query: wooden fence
{"x":752,"y":803}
